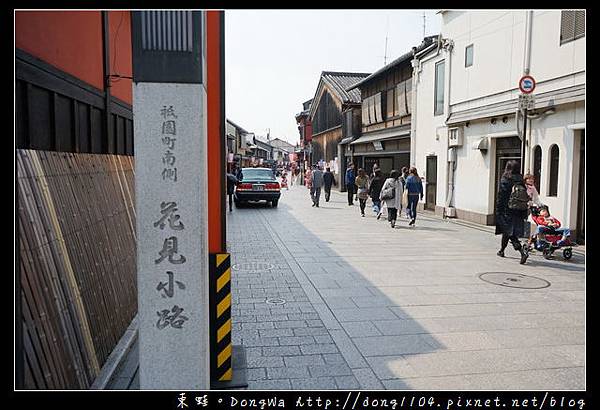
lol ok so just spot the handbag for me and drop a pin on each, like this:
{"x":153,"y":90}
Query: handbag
{"x":388,"y":193}
{"x":405,"y":198}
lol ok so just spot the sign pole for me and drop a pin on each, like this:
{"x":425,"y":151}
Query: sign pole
{"x":526,"y":85}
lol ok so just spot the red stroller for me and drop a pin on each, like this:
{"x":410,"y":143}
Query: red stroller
{"x":552,"y":240}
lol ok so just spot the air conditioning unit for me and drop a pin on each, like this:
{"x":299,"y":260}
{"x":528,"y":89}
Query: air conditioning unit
{"x":455,"y":137}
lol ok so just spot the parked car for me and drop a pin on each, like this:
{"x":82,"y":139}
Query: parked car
{"x":257,"y":184}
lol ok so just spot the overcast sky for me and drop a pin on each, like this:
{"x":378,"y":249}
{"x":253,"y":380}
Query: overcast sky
{"x":273,"y":58}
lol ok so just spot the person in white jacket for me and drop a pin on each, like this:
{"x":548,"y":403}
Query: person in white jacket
{"x":391,"y":193}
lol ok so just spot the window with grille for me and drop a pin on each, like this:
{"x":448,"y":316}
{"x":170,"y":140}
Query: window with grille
{"x":554,"y":162}
{"x":469,"y":56}
{"x":572,"y":25}
{"x":439,"y":88}
{"x":537,"y":166}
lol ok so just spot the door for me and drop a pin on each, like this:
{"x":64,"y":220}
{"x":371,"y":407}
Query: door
{"x":581,"y":196}
{"x":431,"y":183}
{"x":507,"y":149}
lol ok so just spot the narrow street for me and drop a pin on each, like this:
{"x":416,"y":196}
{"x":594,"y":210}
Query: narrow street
{"x":325,"y":299}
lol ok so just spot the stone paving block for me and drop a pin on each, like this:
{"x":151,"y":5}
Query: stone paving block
{"x":264,"y":361}
{"x":281,"y":351}
{"x":400,"y":327}
{"x":546,"y":379}
{"x":307,"y":360}
{"x":358,"y":329}
{"x":363,"y":314}
{"x":258,"y":325}
{"x":395,"y":345}
{"x":276,"y":332}
{"x":347,"y":382}
{"x":303,"y":316}
{"x":260,"y":341}
{"x":314,"y":323}
{"x":290,"y":324}
{"x":430,"y":383}
{"x":281,"y":384}
{"x":319,"y":348}
{"x":311,"y":331}
{"x":367,"y":379}
{"x":391,"y":367}
{"x":330,"y":370}
{"x":352,"y":355}
{"x":334,"y":358}
{"x":319,"y":383}
{"x":273,"y":318}
{"x":258,"y":373}
{"x":292,"y":372}
{"x":297,"y":340}
{"x":323,"y":339}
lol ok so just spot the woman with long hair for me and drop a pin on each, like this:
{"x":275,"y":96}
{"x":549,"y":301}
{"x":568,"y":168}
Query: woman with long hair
{"x":415,"y":191}
{"x":391,"y":193}
{"x":362,"y":185}
{"x":510,"y":220}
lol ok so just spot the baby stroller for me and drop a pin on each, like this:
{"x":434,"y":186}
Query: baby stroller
{"x":552,"y":240}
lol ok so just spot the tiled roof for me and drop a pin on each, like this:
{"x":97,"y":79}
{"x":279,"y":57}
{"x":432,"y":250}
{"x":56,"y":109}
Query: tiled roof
{"x":427,"y":41}
{"x":340,"y":82}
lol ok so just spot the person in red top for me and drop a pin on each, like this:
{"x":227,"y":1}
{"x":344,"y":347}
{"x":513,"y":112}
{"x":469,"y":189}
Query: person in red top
{"x":548,"y":224}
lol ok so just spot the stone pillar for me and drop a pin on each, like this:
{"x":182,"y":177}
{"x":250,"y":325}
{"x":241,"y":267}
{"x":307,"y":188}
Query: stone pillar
{"x":171,"y":197}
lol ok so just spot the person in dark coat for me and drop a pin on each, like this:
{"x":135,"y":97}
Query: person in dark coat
{"x":349,"y":178}
{"x":231,"y":182}
{"x":510,"y":223}
{"x":328,"y":180}
{"x":375,"y":190}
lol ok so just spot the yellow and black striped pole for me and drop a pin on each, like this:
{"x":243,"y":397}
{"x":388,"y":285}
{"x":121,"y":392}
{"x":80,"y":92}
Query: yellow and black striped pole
{"x":220,"y":317}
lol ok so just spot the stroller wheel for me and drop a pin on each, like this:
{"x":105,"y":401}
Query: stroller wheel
{"x":568,"y":253}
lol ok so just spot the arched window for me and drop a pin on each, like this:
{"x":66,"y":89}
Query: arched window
{"x":537,"y":166}
{"x":554,"y":159}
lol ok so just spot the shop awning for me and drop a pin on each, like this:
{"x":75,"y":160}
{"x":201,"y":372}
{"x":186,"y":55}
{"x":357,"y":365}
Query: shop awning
{"x":381,"y":136}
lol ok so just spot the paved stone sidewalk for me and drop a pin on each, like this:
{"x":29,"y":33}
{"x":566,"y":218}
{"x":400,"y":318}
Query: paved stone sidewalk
{"x":371,"y":307}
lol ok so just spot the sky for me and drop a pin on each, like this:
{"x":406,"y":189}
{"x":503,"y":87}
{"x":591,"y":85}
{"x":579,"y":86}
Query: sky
{"x":274,"y":58}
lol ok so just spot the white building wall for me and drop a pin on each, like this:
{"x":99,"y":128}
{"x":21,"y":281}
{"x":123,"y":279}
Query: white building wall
{"x":499,"y":38}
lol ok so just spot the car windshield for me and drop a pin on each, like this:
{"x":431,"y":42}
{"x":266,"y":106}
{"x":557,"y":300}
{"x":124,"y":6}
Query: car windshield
{"x":257,"y":174}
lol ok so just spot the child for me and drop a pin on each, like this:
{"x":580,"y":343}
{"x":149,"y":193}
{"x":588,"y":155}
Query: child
{"x":548,"y":224}
{"x":284,"y":183}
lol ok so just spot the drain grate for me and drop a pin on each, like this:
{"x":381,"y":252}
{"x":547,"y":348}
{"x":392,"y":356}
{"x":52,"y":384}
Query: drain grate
{"x":276,"y":301}
{"x":514,"y":280}
{"x":253,"y":266}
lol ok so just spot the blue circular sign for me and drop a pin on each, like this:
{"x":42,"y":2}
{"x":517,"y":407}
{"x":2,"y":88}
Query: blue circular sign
{"x":527,"y":84}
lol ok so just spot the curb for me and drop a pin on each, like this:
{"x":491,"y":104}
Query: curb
{"x":116,"y":356}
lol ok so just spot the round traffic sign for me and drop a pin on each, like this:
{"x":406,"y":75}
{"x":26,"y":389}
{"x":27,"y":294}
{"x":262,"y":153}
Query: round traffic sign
{"x":527,"y":84}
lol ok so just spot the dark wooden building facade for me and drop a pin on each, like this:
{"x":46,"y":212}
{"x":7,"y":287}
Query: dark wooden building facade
{"x":386,"y":114}
{"x":333,"y":113}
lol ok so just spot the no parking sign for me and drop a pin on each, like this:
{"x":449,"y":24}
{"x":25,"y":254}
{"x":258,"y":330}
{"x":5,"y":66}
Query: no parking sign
{"x":527,"y":84}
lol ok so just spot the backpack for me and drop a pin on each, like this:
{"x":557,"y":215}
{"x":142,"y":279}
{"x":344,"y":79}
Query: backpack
{"x":519,"y":198}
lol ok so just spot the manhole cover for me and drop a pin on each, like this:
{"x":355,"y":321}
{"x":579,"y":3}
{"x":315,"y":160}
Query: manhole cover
{"x":253,"y":266}
{"x":276,"y":301}
{"x":514,"y":280}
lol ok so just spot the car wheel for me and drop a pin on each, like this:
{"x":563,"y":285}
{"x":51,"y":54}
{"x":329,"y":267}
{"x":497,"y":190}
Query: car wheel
{"x":274,"y":203}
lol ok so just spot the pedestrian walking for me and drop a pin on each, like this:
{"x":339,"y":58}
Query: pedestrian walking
{"x":362,"y":185}
{"x":317,"y":184}
{"x":284,"y":183}
{"x":231,"y":183}
{"x":415,"y":191}
{"x":403,"y":179}
{"x":350,"y":178}
{"x":511,"y":210}
{"x":391,"y":193}
{"x":534,"y":202}
{"x":328,"y":180}
{"x":375,"y":191}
